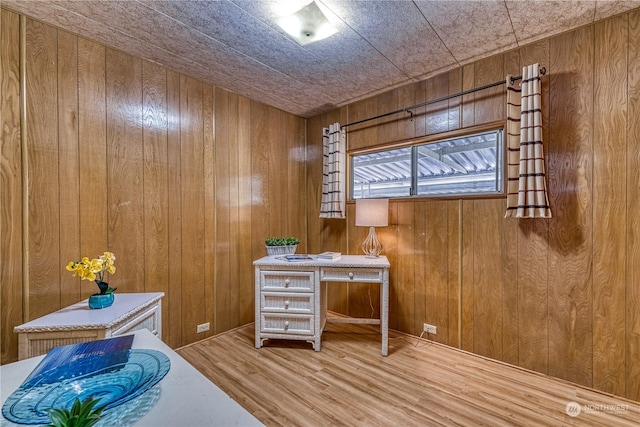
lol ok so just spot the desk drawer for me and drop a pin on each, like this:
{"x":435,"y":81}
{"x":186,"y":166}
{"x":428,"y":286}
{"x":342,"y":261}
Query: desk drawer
{"x":345,"y":274}
{"x":287,"y":302}
{"x":287,"y":280}
{"x":287,"y":324}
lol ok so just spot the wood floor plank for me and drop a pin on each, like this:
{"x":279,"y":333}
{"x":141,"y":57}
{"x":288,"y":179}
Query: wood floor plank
{"x":420,"y":383}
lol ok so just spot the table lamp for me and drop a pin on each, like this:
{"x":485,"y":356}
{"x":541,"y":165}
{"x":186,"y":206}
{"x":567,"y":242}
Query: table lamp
{"x":372,"y":213}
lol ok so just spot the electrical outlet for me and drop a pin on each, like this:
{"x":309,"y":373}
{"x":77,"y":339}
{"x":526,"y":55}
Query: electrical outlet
{"x":204,"y":327}
{"x":430,"y":329}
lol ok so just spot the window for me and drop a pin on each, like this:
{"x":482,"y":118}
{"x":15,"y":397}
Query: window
{"x":466,"y":165}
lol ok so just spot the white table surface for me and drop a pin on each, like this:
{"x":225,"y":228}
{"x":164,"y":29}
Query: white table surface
{"x":186,"y":397}
{"x":353,"y":261}
{"x":80,"y":315}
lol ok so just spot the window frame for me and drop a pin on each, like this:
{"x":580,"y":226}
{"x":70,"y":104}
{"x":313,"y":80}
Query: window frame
{"x":497,"y":126}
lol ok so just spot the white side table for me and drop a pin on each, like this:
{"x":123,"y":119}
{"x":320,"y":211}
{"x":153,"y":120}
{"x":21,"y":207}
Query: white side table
{"x":78,"y":323}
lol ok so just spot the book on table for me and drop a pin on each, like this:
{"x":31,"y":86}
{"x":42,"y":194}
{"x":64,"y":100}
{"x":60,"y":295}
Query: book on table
{"x":74,"y":360}
{"x":329,"y":255}
{"x":296,"y":258}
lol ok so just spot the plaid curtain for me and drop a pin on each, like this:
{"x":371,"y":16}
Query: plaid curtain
{"x":526,"y":181}
{"x":333,"y":172}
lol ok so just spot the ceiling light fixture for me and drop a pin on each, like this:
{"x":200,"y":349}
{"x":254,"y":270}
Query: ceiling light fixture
{"x":307,"y":25}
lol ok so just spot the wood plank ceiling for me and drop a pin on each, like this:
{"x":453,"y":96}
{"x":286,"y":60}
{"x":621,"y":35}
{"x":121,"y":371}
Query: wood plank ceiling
{"x":237,"y":45}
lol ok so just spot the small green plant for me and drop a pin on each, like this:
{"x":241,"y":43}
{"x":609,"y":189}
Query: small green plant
{"x":81,"y":414}
{"x":282,"y":241}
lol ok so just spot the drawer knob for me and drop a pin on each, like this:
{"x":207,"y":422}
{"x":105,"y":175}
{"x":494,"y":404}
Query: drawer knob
{"x":286,"y":304}
{"x":350,"y":275}
{"x":286,"y":324}
{"x":286,"y":283}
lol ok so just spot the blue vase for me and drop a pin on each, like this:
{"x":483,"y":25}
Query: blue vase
{"x":101,"y":300}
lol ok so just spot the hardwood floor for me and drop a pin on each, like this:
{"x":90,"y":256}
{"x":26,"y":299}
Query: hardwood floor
{"x":349,"y":383}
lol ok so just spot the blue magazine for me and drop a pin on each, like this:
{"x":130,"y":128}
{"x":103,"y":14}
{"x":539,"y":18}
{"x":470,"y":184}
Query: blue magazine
{"x":73,"y":360}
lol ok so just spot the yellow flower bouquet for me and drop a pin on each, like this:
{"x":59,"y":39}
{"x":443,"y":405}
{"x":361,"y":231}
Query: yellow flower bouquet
{"x":94,"y":270}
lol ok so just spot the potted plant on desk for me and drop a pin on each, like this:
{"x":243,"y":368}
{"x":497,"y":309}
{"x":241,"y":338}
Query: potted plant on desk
{"x":281,"y":245}
{"x":94,"y":270}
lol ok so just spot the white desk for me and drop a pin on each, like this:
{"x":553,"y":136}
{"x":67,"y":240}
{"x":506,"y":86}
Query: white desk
{"x":184,"y":397}
{"x":78,"y":323}
{"x":291,"y":297}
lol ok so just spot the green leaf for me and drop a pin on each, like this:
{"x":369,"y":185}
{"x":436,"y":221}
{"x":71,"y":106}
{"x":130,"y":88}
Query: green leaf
{"x":83,"y":409}
{"x":282,"y":241}
{"x":58,"y":417}
{"x":81,"y":414}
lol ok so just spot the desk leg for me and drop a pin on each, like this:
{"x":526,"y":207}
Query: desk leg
{"x":320,"y":308}
{"x":323,"y":305}
{"x":384,"y":312}
{"x":257,"y":304}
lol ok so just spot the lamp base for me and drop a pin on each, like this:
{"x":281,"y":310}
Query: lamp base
{"x":372,"y":246}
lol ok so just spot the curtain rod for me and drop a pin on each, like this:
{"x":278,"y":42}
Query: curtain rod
{"x":543,"y":71}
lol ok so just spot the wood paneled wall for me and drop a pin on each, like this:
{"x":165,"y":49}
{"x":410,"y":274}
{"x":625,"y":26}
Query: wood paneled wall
{"x":183,"y":181}
{"x":559,"y":296}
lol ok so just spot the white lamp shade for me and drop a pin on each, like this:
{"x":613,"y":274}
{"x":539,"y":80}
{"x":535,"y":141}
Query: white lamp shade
{"x":372,"y":212}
